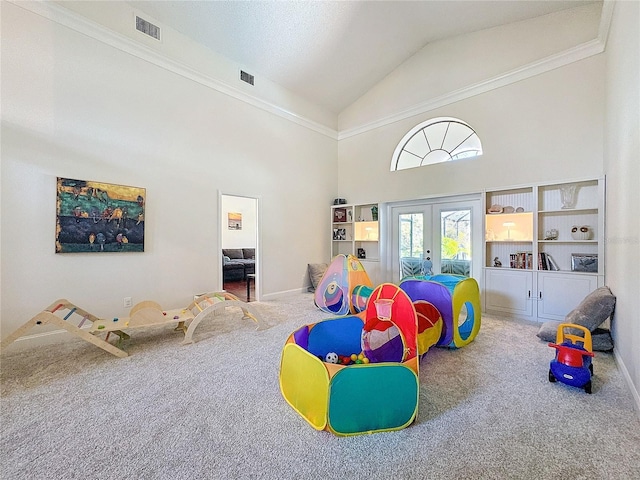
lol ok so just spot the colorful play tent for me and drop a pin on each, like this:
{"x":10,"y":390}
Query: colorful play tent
{"x":334,"y":291}
{"x":392,"y":326}
{"x":448,"y":294}
{"x":360,"y":398}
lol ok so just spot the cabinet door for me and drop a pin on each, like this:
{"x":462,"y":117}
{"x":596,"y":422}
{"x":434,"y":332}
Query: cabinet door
{"x":559,"y":293}
{"x":508,"y":291}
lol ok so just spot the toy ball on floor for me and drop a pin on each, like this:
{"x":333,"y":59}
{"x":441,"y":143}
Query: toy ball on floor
{"x":331,"y":357}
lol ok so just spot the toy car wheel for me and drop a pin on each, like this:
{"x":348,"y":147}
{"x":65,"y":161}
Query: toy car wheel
{"x":552,"y":378}
{"x":587,"y":387}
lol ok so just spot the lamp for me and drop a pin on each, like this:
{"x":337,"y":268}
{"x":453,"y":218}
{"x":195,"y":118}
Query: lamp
{"x":509,"y":225}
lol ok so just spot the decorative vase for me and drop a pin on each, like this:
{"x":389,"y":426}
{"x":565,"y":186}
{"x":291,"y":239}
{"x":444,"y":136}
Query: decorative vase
{"x":568,"y":195}
{"x":374,"y":213}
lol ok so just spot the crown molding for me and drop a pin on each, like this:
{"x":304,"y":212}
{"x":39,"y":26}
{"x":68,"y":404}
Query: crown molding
{"x":579,"y":52}
{"x":605,"y":21}
{"x":80,"y":24}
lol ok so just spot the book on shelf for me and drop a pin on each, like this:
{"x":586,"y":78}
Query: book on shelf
{"x":521,"y":260}
{"x":546,"y":262}
{"x":552,"y":263}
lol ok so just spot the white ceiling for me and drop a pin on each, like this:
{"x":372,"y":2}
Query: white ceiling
{"x":332,"y":52}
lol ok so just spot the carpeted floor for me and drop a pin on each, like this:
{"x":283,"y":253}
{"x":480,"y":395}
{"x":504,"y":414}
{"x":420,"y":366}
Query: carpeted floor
{"x":214,"y":410}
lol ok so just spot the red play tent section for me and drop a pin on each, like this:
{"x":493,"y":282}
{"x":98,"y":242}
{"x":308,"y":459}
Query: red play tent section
{"x":400,"y":331}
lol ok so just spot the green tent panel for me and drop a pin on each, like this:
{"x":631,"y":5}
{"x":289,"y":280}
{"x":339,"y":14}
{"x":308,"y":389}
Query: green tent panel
{"x":372,"y":398}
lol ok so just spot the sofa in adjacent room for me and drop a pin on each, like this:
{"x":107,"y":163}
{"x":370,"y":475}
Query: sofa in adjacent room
{"x":237,"y":263}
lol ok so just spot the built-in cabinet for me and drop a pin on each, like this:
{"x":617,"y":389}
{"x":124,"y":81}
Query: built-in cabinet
{"x":355,"y":230}
{"x":544,"y":249}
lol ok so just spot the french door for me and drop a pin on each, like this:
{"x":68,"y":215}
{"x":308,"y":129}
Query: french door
{"x":442,"y":234}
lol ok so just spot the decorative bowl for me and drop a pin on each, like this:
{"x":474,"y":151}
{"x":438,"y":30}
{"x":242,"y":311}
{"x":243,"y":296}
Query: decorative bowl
{"x":582,"y":232}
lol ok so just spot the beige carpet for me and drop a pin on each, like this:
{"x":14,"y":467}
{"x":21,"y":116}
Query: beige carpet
{"x":214,"y":410}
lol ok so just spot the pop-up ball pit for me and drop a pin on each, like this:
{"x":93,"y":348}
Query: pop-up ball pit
{"x":361,"y":398}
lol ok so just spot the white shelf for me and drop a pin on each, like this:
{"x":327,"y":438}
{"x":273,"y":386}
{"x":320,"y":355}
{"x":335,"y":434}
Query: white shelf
{"x":569,"y":211}
{"x":537,"y":293}
{"x":361,"y":232}
{"x":568,"y":241}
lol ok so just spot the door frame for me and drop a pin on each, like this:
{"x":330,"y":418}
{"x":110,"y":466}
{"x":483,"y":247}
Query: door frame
{"x":473,"y":201}
{"x":222,"y":223}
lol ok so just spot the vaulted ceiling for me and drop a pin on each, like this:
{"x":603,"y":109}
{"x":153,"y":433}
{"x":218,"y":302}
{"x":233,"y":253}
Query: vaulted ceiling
{"x":332,"y":52}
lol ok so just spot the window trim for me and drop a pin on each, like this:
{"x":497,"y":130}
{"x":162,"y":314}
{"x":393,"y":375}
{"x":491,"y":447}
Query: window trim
{"x":420,"y":128}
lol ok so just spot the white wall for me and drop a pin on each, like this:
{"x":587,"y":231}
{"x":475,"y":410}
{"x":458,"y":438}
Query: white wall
{"x":247,"y":236}
{"x":548,"y":127}
{"x":75,"y":107}
{"x":622,"y":160}
{"x":545,"y":127}
{"x":452,"y":64}
{"x":118,"y":16}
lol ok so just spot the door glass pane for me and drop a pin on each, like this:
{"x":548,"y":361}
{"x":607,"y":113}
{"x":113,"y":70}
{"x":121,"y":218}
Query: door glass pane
{"x":411,"y":235}
{"x":411,"y":243}
{"x":455,"y":231}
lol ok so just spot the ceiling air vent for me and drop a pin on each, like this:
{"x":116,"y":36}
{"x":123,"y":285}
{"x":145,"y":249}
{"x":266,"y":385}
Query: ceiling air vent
{"x":147,"y":28}
{"x":246,"y":77}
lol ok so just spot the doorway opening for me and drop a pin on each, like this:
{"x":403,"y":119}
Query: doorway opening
{"x":239,"y":234}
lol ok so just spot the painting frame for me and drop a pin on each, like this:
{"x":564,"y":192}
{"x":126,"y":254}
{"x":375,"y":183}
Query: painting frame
{"x":99,"y":217}
{"x":339,"y":215}
{"x":234,"y":220}
{"x":584,"y":262}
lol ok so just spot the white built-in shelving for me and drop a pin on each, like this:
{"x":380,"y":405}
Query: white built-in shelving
{"x":535,"y":266}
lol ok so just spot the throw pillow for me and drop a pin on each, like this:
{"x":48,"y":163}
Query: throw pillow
{"x":233,"y":253}
{"x":316,"y":272}
{"x":593,"y":310}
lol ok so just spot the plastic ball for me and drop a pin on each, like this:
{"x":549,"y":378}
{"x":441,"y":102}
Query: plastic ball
{"x":365,"y":360}
{"x":331,"y":357}
{"x":354,"y":357}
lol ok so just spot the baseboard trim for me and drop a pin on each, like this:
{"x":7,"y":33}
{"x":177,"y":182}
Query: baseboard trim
{"x":627,"y":378}
{"x":282,"y":293}
{"x":39,"y":340}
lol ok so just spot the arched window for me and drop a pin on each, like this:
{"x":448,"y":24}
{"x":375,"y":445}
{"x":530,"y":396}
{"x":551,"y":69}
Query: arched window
{"x":434,"y":141}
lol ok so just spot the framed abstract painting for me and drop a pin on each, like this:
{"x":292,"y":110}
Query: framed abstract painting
{"x":97,"y":217}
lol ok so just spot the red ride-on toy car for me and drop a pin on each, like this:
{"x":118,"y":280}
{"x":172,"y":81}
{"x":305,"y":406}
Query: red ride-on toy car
{"x":572,"y":364}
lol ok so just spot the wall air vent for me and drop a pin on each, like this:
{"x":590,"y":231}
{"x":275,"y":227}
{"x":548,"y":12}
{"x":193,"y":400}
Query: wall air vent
{"x":246,"y":77}
{"x":147,"y":28}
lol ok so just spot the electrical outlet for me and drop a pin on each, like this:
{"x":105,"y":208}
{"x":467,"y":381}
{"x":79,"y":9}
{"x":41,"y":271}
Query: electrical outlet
{"x":127,"y":302}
